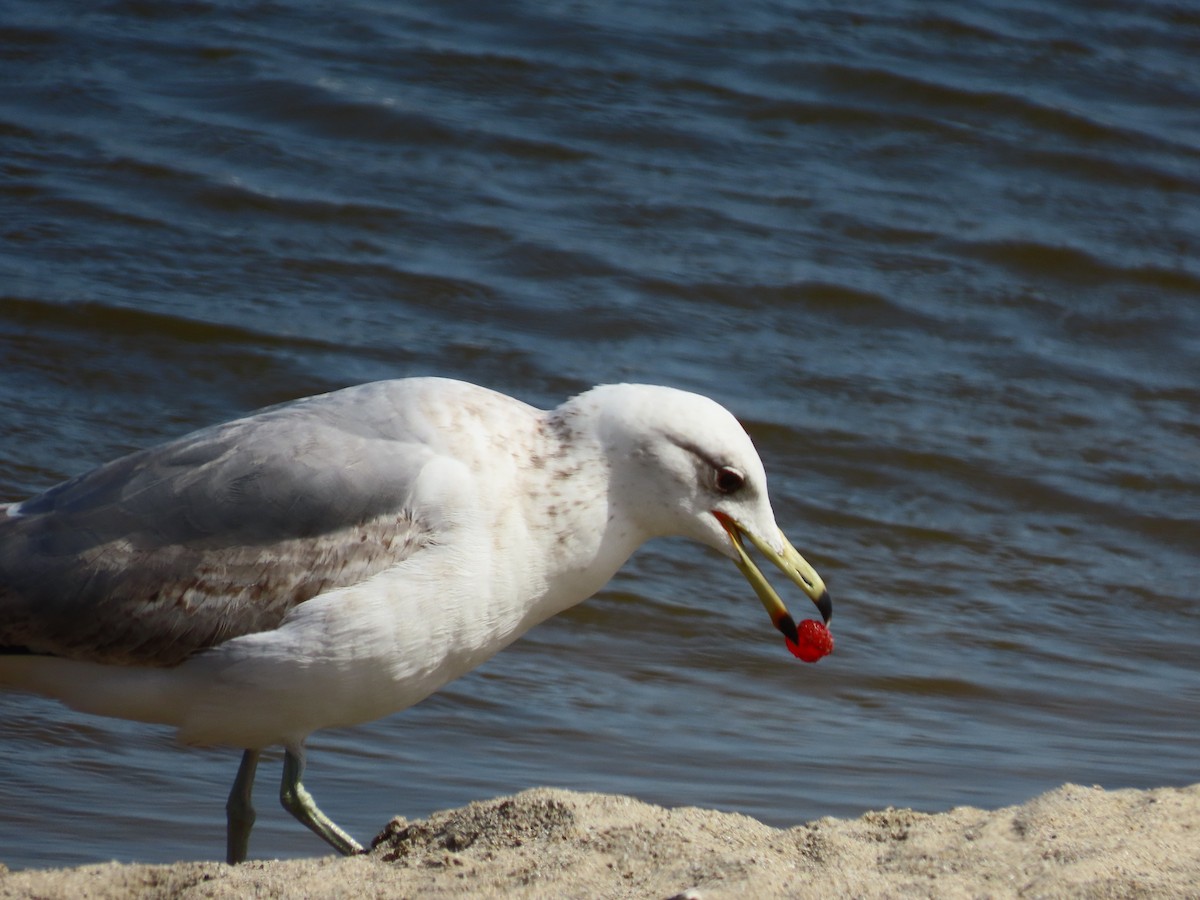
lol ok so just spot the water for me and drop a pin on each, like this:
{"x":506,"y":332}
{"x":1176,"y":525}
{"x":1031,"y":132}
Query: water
{"x":942,"y":261}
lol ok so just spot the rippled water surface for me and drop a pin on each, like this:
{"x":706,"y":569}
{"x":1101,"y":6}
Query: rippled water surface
{"x":941,"y":260}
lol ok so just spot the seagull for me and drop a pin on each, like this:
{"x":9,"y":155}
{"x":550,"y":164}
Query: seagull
{"x":338,"y":558}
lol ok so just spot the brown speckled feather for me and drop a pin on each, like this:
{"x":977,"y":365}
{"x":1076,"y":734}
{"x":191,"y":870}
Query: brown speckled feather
{"x":215,"y":535}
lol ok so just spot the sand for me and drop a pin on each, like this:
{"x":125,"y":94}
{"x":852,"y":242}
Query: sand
{"x":1072,"y":842}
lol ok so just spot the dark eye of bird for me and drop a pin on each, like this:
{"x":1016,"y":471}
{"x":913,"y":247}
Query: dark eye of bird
{"x":729,"y":480}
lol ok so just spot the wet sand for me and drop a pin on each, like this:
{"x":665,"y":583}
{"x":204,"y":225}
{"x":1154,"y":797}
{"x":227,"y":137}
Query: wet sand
{"x":1072,"y":842}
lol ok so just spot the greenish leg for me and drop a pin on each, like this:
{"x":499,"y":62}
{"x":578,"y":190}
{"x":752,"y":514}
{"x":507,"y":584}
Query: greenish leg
{"x":239,"y":810}
{"x":299,"y":803}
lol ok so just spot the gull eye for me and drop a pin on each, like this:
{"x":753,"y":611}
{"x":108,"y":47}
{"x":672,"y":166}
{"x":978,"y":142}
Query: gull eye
{"x":728,"y":480}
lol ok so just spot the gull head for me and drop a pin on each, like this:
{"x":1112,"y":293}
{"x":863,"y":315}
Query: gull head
{"x":681,"y":464}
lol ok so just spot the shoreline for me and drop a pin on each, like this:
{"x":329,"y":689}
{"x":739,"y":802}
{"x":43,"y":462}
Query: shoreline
{"x":1071,"y":842}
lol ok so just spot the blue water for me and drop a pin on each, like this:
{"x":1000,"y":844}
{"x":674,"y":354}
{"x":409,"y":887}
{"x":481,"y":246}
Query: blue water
{"x":941,"y":260}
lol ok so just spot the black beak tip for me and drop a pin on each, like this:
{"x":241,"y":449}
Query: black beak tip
{"x":825,"y":606}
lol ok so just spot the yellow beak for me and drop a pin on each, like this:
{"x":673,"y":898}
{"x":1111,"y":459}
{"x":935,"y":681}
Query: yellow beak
{"x":790,"y":562}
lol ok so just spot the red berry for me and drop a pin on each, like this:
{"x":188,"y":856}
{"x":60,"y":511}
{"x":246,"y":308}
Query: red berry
{"x":814,"y":641}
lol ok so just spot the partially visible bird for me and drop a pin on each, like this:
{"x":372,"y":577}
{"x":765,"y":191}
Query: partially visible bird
{"x":339,"y":558}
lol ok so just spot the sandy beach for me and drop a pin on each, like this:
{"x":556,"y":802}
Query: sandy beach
{"x":1072,"y":842}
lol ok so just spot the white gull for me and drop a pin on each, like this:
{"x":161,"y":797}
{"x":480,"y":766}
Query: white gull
{"x":339,"y":558}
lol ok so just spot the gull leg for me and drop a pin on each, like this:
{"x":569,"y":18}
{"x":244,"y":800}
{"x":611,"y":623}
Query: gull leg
{"x":239,"y":810}
{"x":299,"y":803}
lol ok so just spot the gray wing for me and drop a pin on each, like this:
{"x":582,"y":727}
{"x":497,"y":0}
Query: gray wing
{"x":180,"y":547}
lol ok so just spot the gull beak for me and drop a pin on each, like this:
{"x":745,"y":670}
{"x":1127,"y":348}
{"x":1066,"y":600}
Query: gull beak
{"x":793,"y":565}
